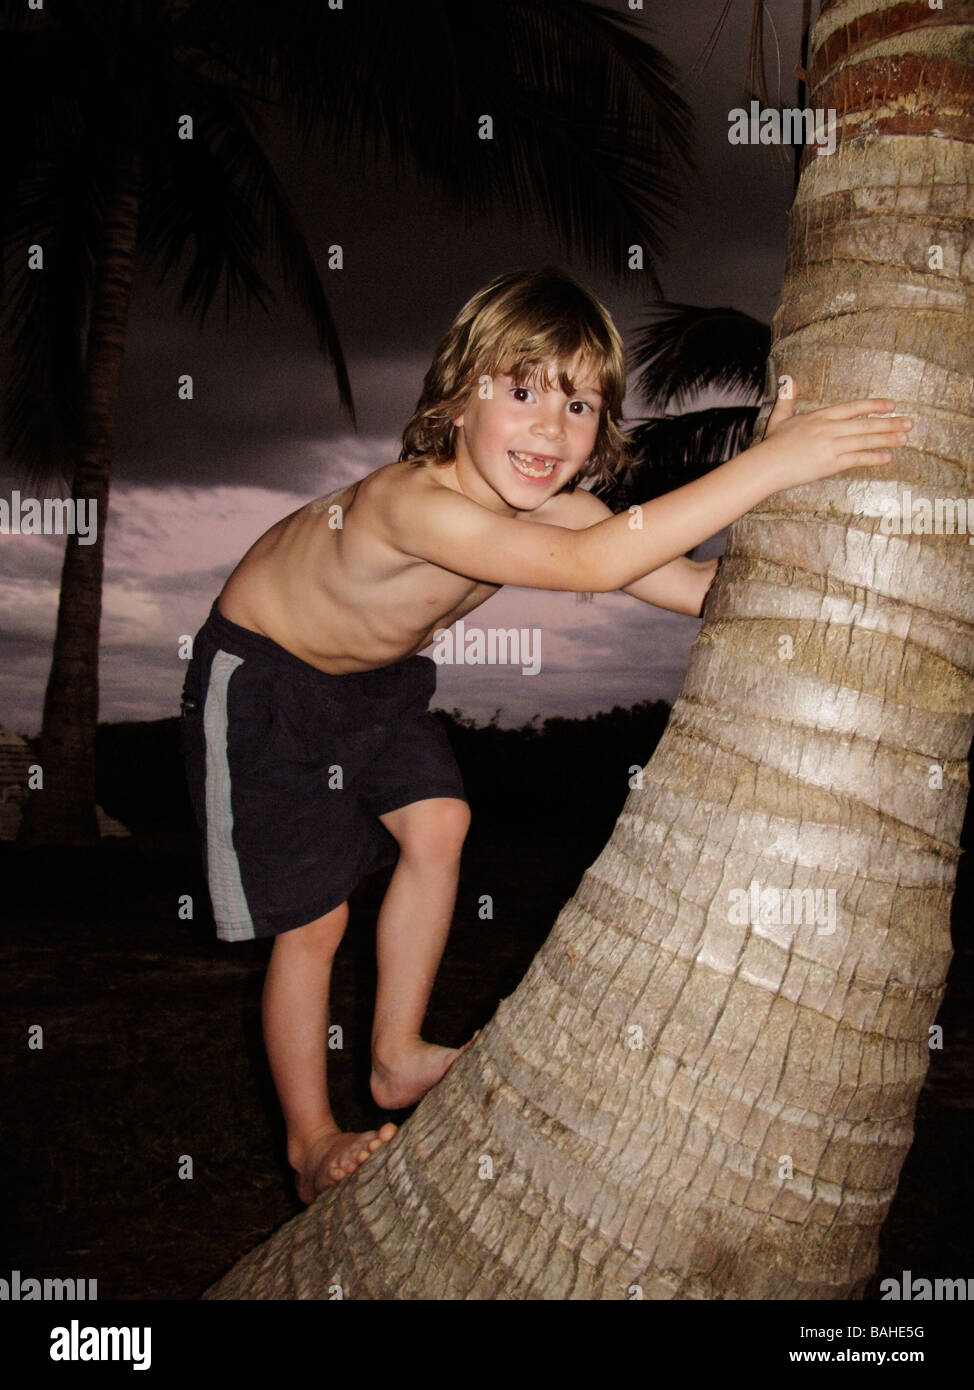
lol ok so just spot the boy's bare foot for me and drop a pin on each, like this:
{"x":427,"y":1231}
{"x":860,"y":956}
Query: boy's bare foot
{"x":335,"y":1155}
{"x":403,"y":1077}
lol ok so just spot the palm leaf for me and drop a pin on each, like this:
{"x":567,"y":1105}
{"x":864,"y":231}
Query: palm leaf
{"x":589,"y":133}
{"x":588,"y":128}
{"x":685,"y":349}
{"x":220,"y":192}
{"x":671,"y":450}
{"x":56,"y":208}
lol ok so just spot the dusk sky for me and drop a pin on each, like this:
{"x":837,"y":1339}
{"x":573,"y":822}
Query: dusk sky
{"x":196,"y":482}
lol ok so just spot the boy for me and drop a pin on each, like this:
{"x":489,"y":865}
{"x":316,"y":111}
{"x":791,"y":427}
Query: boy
{"x":305,"y":709}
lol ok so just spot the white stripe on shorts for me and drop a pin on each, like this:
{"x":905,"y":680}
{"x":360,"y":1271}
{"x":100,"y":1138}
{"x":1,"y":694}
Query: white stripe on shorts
{"x":233,"y":920}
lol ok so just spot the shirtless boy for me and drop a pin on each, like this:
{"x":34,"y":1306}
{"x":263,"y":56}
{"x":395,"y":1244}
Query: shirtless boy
{"x":305,"y":722}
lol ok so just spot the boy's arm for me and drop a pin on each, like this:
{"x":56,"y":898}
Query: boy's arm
{"x":460,"y":535}
{"x":680,"y":586}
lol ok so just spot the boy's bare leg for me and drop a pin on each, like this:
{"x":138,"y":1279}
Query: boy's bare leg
{"x":413,"y":925}
{"x":295,"y":1016}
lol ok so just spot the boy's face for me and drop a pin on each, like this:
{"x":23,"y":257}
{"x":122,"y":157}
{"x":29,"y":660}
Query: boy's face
{"x":525,"y":442}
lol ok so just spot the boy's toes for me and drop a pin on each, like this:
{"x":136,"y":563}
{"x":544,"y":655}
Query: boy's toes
{"x":337,"y":1156}
{"x":383,"y":1136}
{"x":375,"y":1140}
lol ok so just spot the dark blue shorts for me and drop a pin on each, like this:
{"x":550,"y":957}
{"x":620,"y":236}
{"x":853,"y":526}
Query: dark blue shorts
{"x":289,"y":769}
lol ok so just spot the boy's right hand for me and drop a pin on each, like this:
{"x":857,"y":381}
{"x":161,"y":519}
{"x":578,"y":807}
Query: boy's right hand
{"x":820,"y":443}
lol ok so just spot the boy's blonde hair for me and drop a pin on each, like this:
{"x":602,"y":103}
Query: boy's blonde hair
{"x":519,"y":325}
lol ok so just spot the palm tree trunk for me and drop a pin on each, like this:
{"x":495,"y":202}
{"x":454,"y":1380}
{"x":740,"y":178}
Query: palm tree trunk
{"x":686,"y":1097}
{"x":63,"y":811}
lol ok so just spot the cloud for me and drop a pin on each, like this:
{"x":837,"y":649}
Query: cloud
{"x":155,"y":591}
{"x":612,"y":651}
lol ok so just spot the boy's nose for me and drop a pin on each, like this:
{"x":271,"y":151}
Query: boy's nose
{"x":550,"y":424}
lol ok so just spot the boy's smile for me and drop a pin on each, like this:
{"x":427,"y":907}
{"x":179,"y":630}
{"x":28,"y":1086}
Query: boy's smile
{"x":523,"y":443}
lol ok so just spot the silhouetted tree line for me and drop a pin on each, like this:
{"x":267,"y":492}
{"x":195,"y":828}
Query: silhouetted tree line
{"x":563,"y":771}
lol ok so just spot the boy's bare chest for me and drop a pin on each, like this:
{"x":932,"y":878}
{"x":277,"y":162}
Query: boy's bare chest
{"x":465,"y":602}
{"x":326,"y":584}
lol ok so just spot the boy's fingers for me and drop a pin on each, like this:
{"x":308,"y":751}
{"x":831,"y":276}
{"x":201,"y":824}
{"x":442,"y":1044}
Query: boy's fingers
{"x":874,"y":433}
{"x":783,"y":409}
{"x":853,"y":442}
{"x":849,"y":409}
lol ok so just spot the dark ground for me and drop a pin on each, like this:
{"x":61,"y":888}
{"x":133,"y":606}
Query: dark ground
{"x":152,"y":1043}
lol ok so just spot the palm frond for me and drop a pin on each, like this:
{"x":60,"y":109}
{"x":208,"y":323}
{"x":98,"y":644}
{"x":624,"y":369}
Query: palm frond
{"x":194,"y":198}
{"x":670,"y":450}
{"x":57,"y":209}
{"x":38,"y":111}
{"x":755,"y":79}
{"x":588,"y":127}
{"x":684,"y":349}
{"x":710,"y":47}
{"x":588,"y":134}
{"x":219,"y":192}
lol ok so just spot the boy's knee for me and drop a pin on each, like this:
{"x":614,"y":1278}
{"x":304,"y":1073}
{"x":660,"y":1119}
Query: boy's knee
{"x":436,"y":830}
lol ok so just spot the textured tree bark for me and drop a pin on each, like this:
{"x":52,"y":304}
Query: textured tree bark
{"x":63,"y":811}
{"x":688,"y":1096}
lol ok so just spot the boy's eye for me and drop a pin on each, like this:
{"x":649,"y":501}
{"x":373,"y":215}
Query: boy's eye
{"x":521,"y":394}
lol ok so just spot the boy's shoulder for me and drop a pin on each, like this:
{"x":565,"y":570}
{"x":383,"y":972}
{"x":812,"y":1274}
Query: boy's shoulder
{"x":398,"y":497}
{"x":402,"y":486}
{"x":420,"y":514}
{"x":397,"y":481}
{"x":573,"y":510}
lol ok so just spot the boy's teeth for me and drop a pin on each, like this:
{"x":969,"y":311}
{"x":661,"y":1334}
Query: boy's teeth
{"x":528,"y":464}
